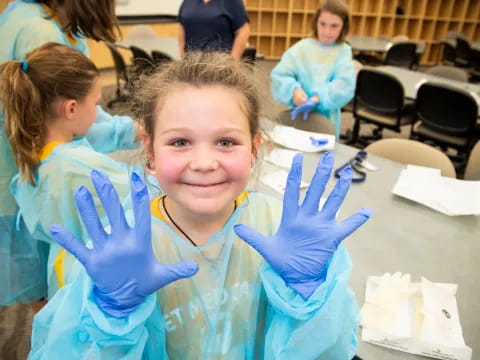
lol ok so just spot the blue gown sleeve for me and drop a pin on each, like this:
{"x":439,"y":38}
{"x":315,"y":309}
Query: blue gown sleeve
{"x":112,"y":132}
{"x":322,"y":327}
{"x":340,"y":87}
{"x":284,"y":79}
{"x":72,"y":323}
{"x":33,"y":35}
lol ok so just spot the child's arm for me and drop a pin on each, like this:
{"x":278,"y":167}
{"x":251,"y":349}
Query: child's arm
{"x":316,"y":314}
{"x":112,"y":132}
{"x":110,"y":311}
{"x":72,"y":325}
{"x":284,"y":79}
{"x":323,"y":326}
{"x":340,"y":87}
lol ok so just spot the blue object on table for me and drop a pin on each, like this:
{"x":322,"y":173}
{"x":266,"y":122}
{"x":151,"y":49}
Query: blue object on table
{"x":318,"y":142}
{"x":356,"y":165}
{"x":301,"y":250}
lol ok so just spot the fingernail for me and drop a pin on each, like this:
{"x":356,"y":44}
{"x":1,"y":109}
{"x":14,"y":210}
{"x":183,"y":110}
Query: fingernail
{"x":54,"y":229}
{"x":347,"y":172}
{"x":97,"y":176}
{"x":82,"y":190}
{"x":328,"y":156}
{"x":137,"y":181}
{"x":366,"y":211}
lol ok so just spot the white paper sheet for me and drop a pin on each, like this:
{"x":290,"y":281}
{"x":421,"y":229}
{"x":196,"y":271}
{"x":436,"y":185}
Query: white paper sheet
{"x":281,"y":157}
{"x":278,"y":179}
{"x":452,"y":197}
{"x":300,"y":140}
{"x":429,"y":315}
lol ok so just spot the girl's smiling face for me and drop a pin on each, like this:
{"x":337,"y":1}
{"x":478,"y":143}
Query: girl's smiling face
{"x":202,"y":148}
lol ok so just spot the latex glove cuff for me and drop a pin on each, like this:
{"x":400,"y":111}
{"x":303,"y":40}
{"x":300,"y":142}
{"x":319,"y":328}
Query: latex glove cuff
{"x":117,"y":304}
{"x":306,"y":289}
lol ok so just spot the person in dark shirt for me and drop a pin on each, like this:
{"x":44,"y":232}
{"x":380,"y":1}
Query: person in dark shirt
{"x":213,"y":25}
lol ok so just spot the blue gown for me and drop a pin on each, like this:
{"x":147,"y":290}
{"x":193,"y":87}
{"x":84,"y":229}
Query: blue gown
{"x":323,"y":70}
{"x":29,"y":26}
{"x":235,"y":307}
{"x":62,"y":169}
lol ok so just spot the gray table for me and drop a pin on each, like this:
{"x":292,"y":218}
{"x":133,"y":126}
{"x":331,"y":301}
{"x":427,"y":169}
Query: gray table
{"x":411,"y":238}
{"x":164,"y":44}
{"x":411,"y":81}
{"x":368,"y":44}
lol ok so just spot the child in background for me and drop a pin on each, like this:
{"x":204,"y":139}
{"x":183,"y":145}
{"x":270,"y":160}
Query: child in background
{"x":24,"y":26}
{"x":49,"y":103}
{"x":316,"y":76}
{"x":256,"y":282}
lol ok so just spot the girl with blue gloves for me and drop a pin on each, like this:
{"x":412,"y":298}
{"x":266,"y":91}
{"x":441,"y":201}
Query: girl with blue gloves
{"x":50,"y":102}
{"x":209,"y":270}
{"x":26,"y":25}
{"x":316,"y":76}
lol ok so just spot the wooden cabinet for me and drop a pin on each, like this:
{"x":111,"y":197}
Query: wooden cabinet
{"x":278,"y":24}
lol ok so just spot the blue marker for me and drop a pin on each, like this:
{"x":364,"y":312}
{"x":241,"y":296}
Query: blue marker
{"x":318,"y":142}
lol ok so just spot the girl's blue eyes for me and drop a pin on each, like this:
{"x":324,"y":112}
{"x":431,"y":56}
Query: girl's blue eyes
{"x":180,"y":143}
{"x":226,"y":142}
{"x":223,"y":143}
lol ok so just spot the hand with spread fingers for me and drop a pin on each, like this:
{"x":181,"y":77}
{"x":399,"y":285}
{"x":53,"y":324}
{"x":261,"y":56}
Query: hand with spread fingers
{"x":304,"y":109}
{"x":121,"y":264}
{"x":307,"y":238}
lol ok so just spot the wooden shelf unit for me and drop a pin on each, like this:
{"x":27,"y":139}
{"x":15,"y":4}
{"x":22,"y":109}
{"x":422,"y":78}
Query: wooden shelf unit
{"x":278,"y":24}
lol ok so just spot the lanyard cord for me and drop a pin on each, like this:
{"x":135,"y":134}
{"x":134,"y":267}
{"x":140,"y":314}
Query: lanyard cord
{"x":178,"y":227}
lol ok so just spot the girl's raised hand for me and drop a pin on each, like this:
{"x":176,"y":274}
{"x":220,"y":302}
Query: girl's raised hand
{"x":307,"y":238}
{"x":121,"y":264}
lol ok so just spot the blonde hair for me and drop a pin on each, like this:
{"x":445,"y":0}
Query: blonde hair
{"x":29,"y":89}
{"x":197,"y":69}
{"x":336,"y":7}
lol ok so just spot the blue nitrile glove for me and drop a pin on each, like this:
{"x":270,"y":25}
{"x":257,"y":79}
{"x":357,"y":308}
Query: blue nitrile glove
{"x":121,"y":265}
{"x":305,"y":109}
{"x":307,"y":238}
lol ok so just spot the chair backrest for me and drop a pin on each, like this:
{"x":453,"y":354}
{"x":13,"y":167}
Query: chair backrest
{"x":357,"y":65}
{"x":119,"y":62}
{"x":402,"y":54}
{"x":378,"y":91}
{"x":399,"y":38}
{"x":141,"y":32}
{"x":472,"y":170}
{"x":160,"y":57}
{"x":448,"y":53}
{"x":475,"y":59}
{"x":412,"y":152}
{"x":249,"y":54}
{"x":449,"y":72}
{"x":141,"y":59}
{"x":446,"y":109}
{"x":462,"y":50}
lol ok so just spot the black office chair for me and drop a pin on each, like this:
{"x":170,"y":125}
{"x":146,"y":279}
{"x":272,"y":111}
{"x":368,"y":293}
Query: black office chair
{"x":121,"y":74}
{"x":475,"y":62}
{"x":160,"y":57}
{"x":249,"y":54}
{"x":142,"y":61}
{"x":402,"y":54}
{"x":448,"y":54}
{"x":462,"y":53}
{"x":379,"y":100}
{"x":447,"y":117}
